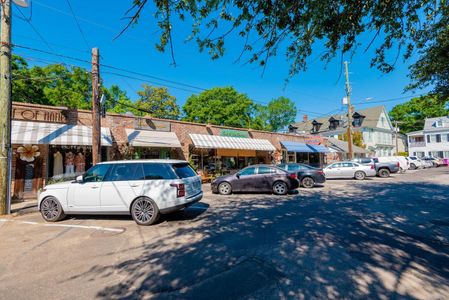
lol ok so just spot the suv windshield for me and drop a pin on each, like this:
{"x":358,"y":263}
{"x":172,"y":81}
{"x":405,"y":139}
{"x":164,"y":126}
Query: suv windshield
{"x":184,"y":170}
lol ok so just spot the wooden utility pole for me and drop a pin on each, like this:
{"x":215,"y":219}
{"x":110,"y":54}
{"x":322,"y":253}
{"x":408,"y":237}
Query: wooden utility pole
{"x":5,"y":106}
{"x":348,"y":98}
{"x":96,"y":119}
{"x":396,"y":132}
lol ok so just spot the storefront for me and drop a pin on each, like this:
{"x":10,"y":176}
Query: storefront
{"x":51,"y":151}
{"x":311,"y":154}
{"x":153,"y":144}
{"x":226,"y":154}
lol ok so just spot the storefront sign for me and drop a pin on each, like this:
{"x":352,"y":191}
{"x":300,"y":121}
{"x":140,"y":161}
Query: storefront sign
{"x":148,"y":124}
{"x":28,"y":114}
{"x":315,"y":140}
{"x":236,"y":153}
{"x":234,"y":133}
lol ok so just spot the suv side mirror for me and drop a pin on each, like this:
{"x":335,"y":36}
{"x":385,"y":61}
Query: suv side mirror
{"x":237,"y":175}
{"x":80,"y":179}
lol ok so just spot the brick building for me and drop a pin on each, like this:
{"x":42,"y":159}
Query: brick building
{"x":55,"y":143}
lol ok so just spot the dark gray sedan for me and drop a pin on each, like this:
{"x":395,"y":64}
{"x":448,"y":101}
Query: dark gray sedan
{"x":308,"y":176}
{"x":256,"y":178}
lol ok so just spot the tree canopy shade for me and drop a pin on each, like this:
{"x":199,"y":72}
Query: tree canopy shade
{"x":293,"y":27}
{"x":219,"y":106}
{"x":158,"y":102}
{"x":411,"y":114}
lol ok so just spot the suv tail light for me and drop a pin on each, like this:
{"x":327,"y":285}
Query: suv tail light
{"x":372,"y":166}
{"x":321,"y":172}
{"x":398,"y":165}
{"x":293,"y":176}
{"x":180,"y":189}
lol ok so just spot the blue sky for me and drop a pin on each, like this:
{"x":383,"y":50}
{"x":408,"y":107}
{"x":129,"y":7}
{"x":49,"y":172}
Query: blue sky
{"x":316,"y":91}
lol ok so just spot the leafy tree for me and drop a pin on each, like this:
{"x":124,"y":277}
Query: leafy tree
{"x":158,"y":102}
{"x":357,"y":138}
{"x":432,"y":68}
{"x":411,"y":114}
{"x":117,"y":101}
{"x":281,"y":112}
{"x":261,"y":117}
{"x":220,"y":106}
{"x":293,"y":27}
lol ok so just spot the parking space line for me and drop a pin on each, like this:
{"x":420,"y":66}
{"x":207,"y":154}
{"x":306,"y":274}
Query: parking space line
{"x":66,"y":225}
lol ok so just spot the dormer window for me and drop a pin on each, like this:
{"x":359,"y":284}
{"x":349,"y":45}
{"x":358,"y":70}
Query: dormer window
{"x":439,"y":123}
{"x":333,"y":123}
{"x":358,"y":119}
{"x":316,"y":126}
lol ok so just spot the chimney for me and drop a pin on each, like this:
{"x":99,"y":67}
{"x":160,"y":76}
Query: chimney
{"x":305,"y":118}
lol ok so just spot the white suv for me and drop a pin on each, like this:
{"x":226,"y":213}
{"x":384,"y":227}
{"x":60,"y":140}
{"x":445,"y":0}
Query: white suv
{"x":143,"y":188}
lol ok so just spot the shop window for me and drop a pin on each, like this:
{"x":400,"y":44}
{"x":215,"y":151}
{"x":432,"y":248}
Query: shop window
{"x":96,"y":173}
{"x":154,"y":171}
{"x":125,"y":172}
{"x":266,"y":170}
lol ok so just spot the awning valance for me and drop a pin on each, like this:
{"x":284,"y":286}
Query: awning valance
{"x":25,"y":132}
{"x":302,"y":147}
{"x":204,"y":141}
{"x":150,"y":138}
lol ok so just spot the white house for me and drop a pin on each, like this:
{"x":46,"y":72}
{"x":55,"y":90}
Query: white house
{"x":433,"y":140}
{"x":374,"y":124}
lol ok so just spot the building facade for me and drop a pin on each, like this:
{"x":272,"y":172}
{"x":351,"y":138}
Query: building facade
{"x":55,"y":143}
{"x":373,"y":124}
{"x":433,"y":140}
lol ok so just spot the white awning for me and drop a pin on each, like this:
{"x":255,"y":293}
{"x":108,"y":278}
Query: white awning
{"x":150,"y":138}
{"x":226,"y":142}
{"x":24,"y":132}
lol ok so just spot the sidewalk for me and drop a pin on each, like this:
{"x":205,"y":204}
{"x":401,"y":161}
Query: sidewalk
{"x":20,"y":208}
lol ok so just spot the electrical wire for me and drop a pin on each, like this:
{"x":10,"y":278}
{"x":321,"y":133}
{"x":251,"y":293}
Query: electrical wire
{"x":78,"y":24}
{"x":35,"y":30}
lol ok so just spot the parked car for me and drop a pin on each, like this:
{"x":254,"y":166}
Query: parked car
{"x":436,"y":162}
{"x":403,"y":162}
{"x":308,"y":176}
{"x":143,"y":188}
{"x":415,"y":163}
{"x":256,"y":178}
{"x":383,"y":169}
{"x":349,"y":169}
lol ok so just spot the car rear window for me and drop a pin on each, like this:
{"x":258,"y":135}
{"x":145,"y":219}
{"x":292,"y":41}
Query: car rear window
{"x":184,"y":170}
{"x":153,"y":171}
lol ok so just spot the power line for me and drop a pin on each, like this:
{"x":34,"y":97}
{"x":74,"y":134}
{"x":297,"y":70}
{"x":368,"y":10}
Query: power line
{"x":148,"y":81}
{"x":53,"y":44}
{"x":109,"y":66}
{"x":78,"y":24}
{"x":389,"y":100}
{"x":35,"y":30}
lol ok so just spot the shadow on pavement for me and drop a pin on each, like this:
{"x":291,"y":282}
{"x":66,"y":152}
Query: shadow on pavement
{"x":376,"y":242}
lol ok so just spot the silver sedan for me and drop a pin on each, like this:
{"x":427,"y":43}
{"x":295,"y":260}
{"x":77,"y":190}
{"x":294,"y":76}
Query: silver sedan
{"x":347,"y":169}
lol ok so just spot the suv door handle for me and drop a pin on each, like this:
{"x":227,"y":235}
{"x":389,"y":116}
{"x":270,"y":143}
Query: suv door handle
{"x":94,"y":187}
{"x":134,"y":185}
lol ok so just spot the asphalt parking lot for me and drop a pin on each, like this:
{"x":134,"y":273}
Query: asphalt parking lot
{"x":378,"y":238}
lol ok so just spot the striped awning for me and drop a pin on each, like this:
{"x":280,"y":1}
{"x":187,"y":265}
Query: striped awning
{"x":204,"y":141}
{"x":150,"y":138}
{"x":302,"y":147}
{"x":24,"y":132}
